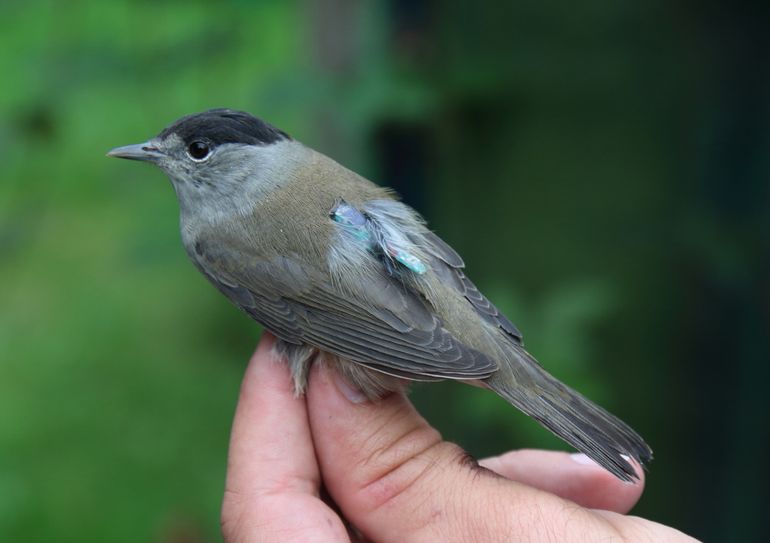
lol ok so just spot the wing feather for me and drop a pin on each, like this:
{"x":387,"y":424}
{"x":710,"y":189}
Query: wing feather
{"x":398,"y":336}
{"x":450,"y":265}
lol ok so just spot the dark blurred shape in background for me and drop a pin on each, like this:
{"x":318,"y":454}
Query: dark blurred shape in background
{"x":603,"y":168}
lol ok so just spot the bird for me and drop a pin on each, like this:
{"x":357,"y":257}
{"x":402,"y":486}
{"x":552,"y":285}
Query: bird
{"x":332,"y":263}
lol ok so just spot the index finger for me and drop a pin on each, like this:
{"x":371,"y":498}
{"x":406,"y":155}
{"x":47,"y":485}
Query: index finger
{"x":270,"y":444}
{"x":273,"y":480}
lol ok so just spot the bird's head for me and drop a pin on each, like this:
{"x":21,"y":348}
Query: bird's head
{"x":215,"y":156}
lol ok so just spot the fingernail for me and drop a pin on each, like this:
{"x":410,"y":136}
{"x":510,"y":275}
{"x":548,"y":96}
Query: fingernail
{"x":581,"y":458}
{"x":353,"y":394}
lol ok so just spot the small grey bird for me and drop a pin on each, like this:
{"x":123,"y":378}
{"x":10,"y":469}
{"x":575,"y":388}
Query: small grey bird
{"x":328,"y":261}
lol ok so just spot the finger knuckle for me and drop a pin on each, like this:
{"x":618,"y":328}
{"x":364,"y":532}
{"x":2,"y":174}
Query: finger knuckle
{"x":414,"y":474}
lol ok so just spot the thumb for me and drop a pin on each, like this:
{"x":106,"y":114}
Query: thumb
{"x":395,"y":479}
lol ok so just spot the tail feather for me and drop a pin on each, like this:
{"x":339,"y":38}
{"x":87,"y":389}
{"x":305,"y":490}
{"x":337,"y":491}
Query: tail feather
{"x":581,"y":423}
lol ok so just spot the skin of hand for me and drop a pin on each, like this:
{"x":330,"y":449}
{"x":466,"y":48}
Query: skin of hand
{"x":309,"y":469}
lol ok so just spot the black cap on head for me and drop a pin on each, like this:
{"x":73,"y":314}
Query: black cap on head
{"x":225,"y":126}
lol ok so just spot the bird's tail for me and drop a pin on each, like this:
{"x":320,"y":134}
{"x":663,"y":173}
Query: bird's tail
{"x":581,"y":423}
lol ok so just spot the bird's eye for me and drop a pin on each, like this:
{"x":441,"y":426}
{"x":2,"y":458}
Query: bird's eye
{"x":199,"y":150}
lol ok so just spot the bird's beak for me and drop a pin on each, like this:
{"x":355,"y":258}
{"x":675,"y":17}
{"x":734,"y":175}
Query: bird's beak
{"x":139,"y":151}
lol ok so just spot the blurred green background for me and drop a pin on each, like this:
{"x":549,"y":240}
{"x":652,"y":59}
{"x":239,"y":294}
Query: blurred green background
{"x":602,"y":166}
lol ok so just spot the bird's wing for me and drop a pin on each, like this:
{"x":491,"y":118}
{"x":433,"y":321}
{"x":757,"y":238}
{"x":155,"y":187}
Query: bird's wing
{"x":447,"y":263}
{"x":381,"y":323}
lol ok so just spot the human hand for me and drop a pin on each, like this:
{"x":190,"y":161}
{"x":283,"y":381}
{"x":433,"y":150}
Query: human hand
{"x":309,"y":469}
